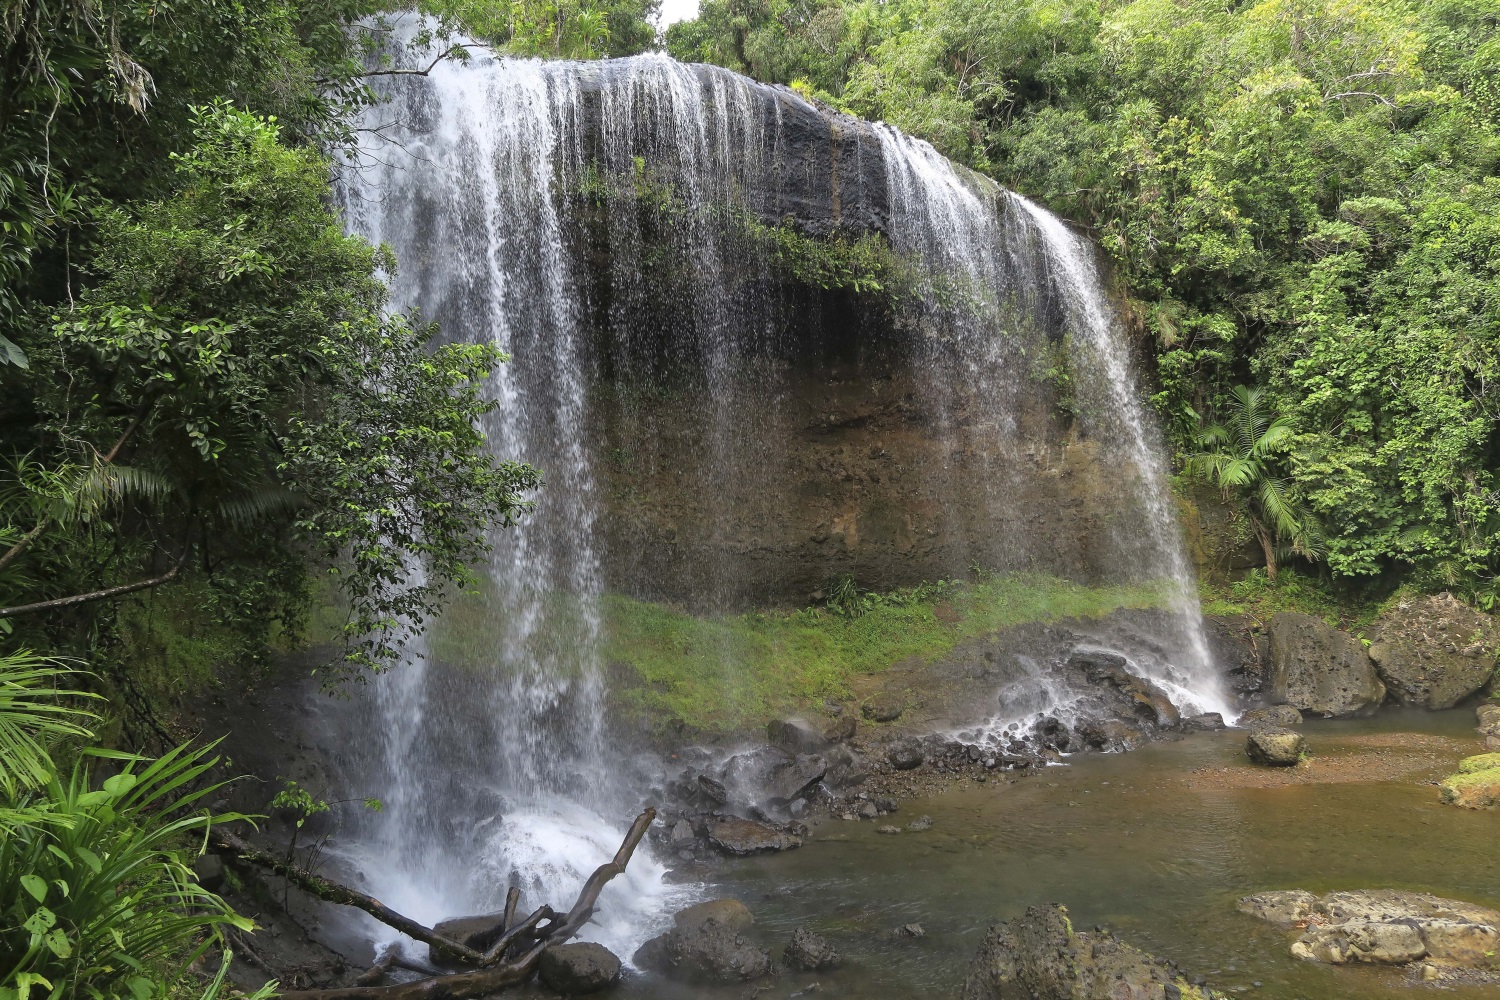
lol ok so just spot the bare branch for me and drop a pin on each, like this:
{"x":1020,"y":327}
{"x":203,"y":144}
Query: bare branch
{"x":97,"y":595}
{"x":1360,"y":93}
{"x":449,"y":53}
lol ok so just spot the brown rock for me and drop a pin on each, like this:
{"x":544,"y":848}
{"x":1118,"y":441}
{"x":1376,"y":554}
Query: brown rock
{"x":1434,"y":651}
{"x":1318,"y":668}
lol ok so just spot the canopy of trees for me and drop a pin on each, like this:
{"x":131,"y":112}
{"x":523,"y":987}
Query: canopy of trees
{"x":1296,"y":194}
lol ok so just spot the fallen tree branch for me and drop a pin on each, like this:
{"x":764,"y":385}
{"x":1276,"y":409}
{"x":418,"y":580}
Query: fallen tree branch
{"x":332,"y":892}
{"x":517,"y":970}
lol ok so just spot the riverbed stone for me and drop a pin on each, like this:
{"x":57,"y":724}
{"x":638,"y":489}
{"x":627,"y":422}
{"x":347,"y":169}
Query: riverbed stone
{"x":707,"y":943}
{"x":905,"y":754}
{"x":1476,"y":785}
{"x":579,"y":968}
{"x":1318,"y":668}
{"x":1204,"y":722}
{"x":1434,"y":651}
{"x":1386,"y":927}
{"x":1040,"y":956}
{"x":1285,"y":907}
{"x":809,"y":952}
{"x":1271,"y":715}
{"x":734,"y":835}
{"x":1274,"y":747}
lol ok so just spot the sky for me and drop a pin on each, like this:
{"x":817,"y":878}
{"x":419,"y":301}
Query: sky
{"x":673,"y":11}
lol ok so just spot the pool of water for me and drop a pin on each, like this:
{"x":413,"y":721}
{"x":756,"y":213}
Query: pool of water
{"x":1156,"y":844}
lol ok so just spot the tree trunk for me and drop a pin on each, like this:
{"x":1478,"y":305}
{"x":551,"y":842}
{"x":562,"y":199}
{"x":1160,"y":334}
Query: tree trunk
{"x":1267,"y":546}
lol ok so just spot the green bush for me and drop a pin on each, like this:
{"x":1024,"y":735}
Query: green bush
{"x":97,"y":896}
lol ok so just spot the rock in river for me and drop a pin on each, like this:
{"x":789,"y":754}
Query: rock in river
{"x":1476,"y":785}
{"x":707,"y":943}
{"x":809,"y":952}
{"x":795,"y":736}
{"x":1039,"y":956}
{"x":1434,"y":651}
{"x":1275,"y":747}
{"x":1385,"y":926}
{"x":1271,"y":715}
{"x":734,"y":835}
{"x":1318,"y":668}
{"x":576,"y":969}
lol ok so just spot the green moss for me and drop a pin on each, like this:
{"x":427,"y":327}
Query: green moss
{"x":732,"y":672}
{"x":1483,"y":762}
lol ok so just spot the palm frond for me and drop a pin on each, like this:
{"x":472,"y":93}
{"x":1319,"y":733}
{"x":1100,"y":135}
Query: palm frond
{"x":32,"y":716}
{"x":104,"y":485}
{"x":257,"y":504}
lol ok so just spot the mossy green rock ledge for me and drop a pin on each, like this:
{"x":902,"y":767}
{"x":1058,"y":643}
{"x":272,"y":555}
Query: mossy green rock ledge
{"x":1476,"y":785}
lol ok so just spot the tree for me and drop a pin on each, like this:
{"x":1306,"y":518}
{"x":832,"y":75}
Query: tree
{"x":1241,"y":457}
{"x":230,"y":378}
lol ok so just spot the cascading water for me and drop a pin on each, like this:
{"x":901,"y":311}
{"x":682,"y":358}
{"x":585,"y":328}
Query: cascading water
{"x":605,"y":224}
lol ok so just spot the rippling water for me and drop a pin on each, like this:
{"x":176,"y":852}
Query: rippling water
{"x":1151,"y":843}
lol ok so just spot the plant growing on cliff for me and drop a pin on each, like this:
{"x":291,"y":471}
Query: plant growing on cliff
{"x":1242,"y":455}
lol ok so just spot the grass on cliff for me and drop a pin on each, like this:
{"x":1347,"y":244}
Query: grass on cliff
{"x":736,"y":671}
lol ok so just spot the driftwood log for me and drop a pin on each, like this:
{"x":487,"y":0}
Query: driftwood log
{"x":511,"y":960}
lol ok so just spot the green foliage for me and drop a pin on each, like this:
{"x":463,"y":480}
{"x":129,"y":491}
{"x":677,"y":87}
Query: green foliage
{"x":571,"y":29}
{"x":97,"y":896}
{"x":1299,"y":194}
{"x":234,"y":349}
{"x":1242,"y":457}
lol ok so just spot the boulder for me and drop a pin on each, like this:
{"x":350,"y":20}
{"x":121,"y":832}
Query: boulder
{"x":1318,"y":668}
{"x":576,"y":969}
{"x":846,"y":769}
{"x":1108,"y":734}
{"x":477,"y":932}
{"x":795,"y":736}
{"x":771,"y":775}
{"x":1206,"y":722}
{"x":1149,"y":702}
{"x":1489,"y":725}
{"x":905,"y":754}
{"x":841,"y":729}
{"x":1272,"y":715}
{"x":883,"y":707}
{"x":1275,"y":747}
{"x":707,"y":943}
{"x":734,"y":835}
{"x":921,"y":824}
{"x":1039,"y":956}
{"x":1476,"y":785}
{"x":1434,"y":651}
{"x":729,"y":912}
{"x":809,"y":952}
{"x":1384,"y":926}
{"x":682,"y":835}
{"x":1285,"y":908}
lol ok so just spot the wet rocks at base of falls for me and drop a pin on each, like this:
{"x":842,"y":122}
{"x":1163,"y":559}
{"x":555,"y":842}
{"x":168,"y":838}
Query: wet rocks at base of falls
{"x":905,"y":754}
{"x":478,"y":932}
{"x":734,"y":835}
{"x":708,"y":943}
{"x":1433,"y":651}
{"x":1040,"y":956}
{"x":579,"y":968}
{"x":1317,"y":668}
{"x":809,"y":952}
{"x":1270,"y":746}
{"x":1383,"y":926}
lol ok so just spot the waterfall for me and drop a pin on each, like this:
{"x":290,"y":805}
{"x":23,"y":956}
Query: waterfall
{"x":604,"y":224}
